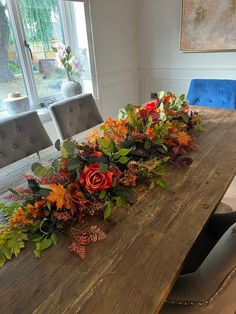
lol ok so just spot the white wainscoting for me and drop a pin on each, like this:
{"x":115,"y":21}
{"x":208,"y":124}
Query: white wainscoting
{"x":116,"y":89}
{"x":177,"y":79}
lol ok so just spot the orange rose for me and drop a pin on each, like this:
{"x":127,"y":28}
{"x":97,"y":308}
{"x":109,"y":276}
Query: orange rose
{"x":93,"y":180}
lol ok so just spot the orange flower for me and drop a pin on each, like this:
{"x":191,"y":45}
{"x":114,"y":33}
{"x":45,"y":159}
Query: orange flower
{"x":93,"y":180}
{"x":115,"y":129}
{"x":60,"y":196}
{"x":20,"y":217}
{"x":150,"y":134}
{"x":31,"y":210}
{"x":93,"y":137}
{"x":183,"y":138}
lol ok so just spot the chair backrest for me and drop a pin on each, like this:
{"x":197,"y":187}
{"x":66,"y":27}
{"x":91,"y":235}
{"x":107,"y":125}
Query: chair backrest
{"x":74,"y":115}
{"x":21,"y":136}
{"x":211,"y":289}
{"x":213,"y":93}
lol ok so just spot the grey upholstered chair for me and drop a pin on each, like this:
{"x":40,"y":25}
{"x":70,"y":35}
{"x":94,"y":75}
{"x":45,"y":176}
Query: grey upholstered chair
{"x":212,"y":287}
{"x":74,"y":115}
{"x":21,"y":136}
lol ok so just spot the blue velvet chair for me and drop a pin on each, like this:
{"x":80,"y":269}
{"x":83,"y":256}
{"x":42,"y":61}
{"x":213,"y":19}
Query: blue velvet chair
{"x":213,"y":93}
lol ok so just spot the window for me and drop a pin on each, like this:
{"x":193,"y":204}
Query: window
{"x":28,"y":31}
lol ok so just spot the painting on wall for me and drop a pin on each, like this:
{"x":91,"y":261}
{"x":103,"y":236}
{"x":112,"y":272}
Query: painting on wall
{"x":208,"y":25}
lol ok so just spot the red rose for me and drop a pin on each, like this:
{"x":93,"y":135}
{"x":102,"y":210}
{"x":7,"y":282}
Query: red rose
{"x":93,"y":180}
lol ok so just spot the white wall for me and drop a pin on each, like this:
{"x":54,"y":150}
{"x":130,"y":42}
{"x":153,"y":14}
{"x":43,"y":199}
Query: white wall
{"x":114,"y":29}
{"x":162,"y":65}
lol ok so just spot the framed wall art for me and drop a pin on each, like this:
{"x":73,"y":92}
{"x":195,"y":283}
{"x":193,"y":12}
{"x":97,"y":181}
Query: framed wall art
{"x":208,"y":25}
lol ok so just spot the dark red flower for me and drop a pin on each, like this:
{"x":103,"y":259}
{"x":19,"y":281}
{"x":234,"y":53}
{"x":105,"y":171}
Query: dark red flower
{"x":116,"y":174}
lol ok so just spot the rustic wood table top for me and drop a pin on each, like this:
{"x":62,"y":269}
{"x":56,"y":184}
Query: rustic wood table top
{"x":134,"y":269}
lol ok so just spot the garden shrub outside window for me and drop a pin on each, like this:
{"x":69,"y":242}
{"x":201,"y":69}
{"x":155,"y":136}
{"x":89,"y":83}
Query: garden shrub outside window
{"x":28,"y":31}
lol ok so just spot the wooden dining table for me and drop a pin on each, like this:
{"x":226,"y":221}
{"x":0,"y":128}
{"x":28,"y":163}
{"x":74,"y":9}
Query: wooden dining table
{"x":134,"y":269}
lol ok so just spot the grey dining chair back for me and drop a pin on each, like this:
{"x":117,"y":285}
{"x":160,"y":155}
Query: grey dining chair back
{"x":212,"y":287}
{"x":21,"y":136}
{"x":74,"y":115}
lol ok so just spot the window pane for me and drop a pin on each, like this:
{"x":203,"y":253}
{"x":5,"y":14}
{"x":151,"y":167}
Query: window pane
{"x":11,"y":79}
{"x":43,"y":29}
{"x":82,"y":44}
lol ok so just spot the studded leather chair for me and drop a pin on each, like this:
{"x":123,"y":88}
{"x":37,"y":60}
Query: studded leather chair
{"x":213,"y":93}
{"x":21,"y":136}
{"x":74,"y":115}
{"x":211,"y":288}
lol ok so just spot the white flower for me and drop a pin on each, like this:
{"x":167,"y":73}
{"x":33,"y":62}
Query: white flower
{"x":60,"y":47}
{"x":75,"y":63}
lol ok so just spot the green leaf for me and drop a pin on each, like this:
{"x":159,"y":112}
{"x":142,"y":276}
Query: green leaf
{"x":108,"y":210}
{"x":152,"y":185}
{"x":123,"y":160}
{"x":35,"y":166}
{"x":53,"y":238}
{"x":42,"y":245}
{"x":2,"y":259}
{"x":112,"y":146}
{"x":104,"y":143}
{"x":102,"y":167}
{"x":102,"y":194}
{"x":64,"y":153}
{"x":13,"y":191}
{"x":69,"y":67}
{"x":56,"y":164}
{"x":58,"y":145}
{"x":163,"y":184}
{"x":127,"y":193}
{"x":45,"y":244}
{"x":122,"y":152}
{"x":7,"y":252}
{"x":120,"y":201}
{"x":147,"y":144}
{"x":72,"y":164}
{"x":69,"y":146}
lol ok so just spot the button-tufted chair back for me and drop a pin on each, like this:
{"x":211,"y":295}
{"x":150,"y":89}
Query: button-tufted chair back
{"x":21,"y":136}
{"x":213,"y":93}
{"x":74,"y":115}
{"x":211,"y":288}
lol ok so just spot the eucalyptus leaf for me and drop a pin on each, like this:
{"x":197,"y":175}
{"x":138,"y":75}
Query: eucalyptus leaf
{"x":123,"y":160}
{"x":58,"y":144}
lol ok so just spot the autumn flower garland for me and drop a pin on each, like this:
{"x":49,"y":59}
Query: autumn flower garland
{"x":94,"y":177}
